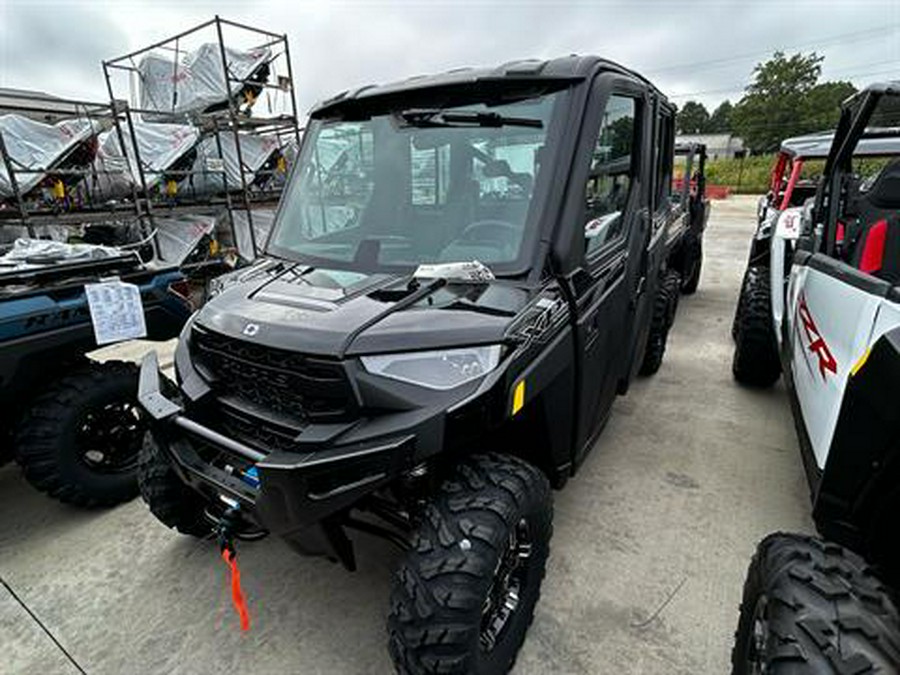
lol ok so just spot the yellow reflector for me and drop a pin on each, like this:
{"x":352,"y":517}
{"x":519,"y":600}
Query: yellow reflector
{"x":518,"y":397}
{"x":59,"y":190}
{"x":862,"y":361}
{"x":171,"y":188}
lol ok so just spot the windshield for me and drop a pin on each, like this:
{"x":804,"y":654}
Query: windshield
{"x":418,"y":186}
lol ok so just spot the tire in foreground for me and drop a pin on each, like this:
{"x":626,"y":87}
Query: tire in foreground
{"x":465,"y":595}
{"x":812,"y":607}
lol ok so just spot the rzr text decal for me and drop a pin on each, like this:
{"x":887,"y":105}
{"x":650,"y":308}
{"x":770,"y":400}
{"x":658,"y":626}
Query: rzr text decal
{"x":817,"y":343}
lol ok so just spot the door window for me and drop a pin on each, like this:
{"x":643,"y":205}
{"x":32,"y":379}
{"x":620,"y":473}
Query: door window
{"x":611,"y":174}
{"x":665,"y":140}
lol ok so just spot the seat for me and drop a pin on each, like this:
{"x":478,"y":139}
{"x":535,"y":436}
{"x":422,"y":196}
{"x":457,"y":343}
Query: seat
{"x":875,"y":248}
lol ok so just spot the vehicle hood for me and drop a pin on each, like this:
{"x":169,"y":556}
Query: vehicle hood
{"x":339,"y":313}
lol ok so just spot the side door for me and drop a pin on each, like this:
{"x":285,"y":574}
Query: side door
{"x":669,"y":211}
{"x":647,"y":245}
{"x":832,"y":313}
{"x":613,"y":211}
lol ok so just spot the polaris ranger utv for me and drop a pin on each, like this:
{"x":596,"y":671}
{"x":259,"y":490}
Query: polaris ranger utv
{"x":688,"y":259}
{"x":71,"y":423}
{"x":820,"y":605}
{"x":460,"y":279}
{"x":683,"y":256}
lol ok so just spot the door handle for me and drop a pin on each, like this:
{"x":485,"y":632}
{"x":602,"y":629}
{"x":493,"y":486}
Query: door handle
{"x":593,"y":326}
{"x":640,"y":287}
{"x":642,"y":282}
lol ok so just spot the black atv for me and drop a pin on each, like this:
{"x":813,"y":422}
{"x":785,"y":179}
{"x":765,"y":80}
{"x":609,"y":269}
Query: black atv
{"x":71,"y":423}
{"x":460,"y":280}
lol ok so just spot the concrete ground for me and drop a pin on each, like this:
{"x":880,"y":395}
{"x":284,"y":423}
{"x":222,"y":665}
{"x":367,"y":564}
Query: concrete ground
{"x":651,"y":543}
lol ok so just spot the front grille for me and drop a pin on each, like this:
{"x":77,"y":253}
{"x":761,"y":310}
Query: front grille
{"x":282,"y":383}
{"x":254,"y":431}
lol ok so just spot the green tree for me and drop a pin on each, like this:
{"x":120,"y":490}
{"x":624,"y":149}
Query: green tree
{"x":692,"y":118}
{"x":720,"y":120}
{"x":784,"y":100}
{"x":823,"y":102}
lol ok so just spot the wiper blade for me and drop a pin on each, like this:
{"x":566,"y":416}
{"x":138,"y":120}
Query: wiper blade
{"x":441,"y":118}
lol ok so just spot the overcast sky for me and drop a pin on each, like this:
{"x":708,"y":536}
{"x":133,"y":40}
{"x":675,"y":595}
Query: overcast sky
{"x":684,"y":47}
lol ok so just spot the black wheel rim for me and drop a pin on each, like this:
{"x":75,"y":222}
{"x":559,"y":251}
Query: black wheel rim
{"x":504,"y":595}
{"x":757,"y":641}
{"x":109,"y":438}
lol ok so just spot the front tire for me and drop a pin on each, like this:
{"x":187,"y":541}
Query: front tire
{"x":80,"y":440}
{"x":813,"y":607}
{"x":173,"y":503}
{"x":465,"y":595}
{"x":755,"y":361}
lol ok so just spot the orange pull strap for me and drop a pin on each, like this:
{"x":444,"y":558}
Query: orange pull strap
{"x":237,"y":596}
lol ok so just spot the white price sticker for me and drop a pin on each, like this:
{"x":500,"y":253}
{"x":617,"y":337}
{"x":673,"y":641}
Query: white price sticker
{"x":215,"y":164}
{"x":116,"y":311}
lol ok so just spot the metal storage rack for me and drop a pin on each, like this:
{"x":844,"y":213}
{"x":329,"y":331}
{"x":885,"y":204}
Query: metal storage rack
{"x":66,"y":190}
{"x":234,"y":120}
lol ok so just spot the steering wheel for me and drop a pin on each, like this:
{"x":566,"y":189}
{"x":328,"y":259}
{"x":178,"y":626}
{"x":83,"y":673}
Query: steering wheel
{"x":490,"y":231}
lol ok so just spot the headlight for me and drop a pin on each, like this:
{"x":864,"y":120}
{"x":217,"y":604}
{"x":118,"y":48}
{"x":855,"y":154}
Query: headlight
{"x":441,"y":369}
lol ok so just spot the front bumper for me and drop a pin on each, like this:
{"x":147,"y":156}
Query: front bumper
{"x":297,"y":491}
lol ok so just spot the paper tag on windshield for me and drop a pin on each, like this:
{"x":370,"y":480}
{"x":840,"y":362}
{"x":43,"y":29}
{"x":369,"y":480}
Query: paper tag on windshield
{"x":116,"y":311}
{"x":458,"y":271}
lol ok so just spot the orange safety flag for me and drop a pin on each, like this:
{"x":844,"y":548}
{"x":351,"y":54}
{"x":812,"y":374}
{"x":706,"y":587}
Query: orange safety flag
{"x":237,"y":596}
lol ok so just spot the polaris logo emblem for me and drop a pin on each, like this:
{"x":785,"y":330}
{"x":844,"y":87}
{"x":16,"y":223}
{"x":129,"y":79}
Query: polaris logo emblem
{"x":817,"y":343}
{"x":251,"y":329}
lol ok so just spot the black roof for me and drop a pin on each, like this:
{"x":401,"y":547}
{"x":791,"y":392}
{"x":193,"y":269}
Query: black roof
{"x":888,"y":88}
{"x":524,"y":73}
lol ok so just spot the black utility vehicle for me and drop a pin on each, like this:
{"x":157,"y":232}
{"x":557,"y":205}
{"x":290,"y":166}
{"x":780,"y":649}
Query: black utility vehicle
{"x":73,"y":424}
{"x":688,"y":258}
{"x":683,"y":248}
{"x":460,"y":280}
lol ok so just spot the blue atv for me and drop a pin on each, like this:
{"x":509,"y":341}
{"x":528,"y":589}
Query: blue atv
{"x":71,"y":423}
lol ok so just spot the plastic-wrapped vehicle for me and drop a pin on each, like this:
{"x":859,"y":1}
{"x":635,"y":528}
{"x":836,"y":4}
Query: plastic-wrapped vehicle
{"x":837,"y":343}
{"x":460,"y":279}
{"x":73,"y":424}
